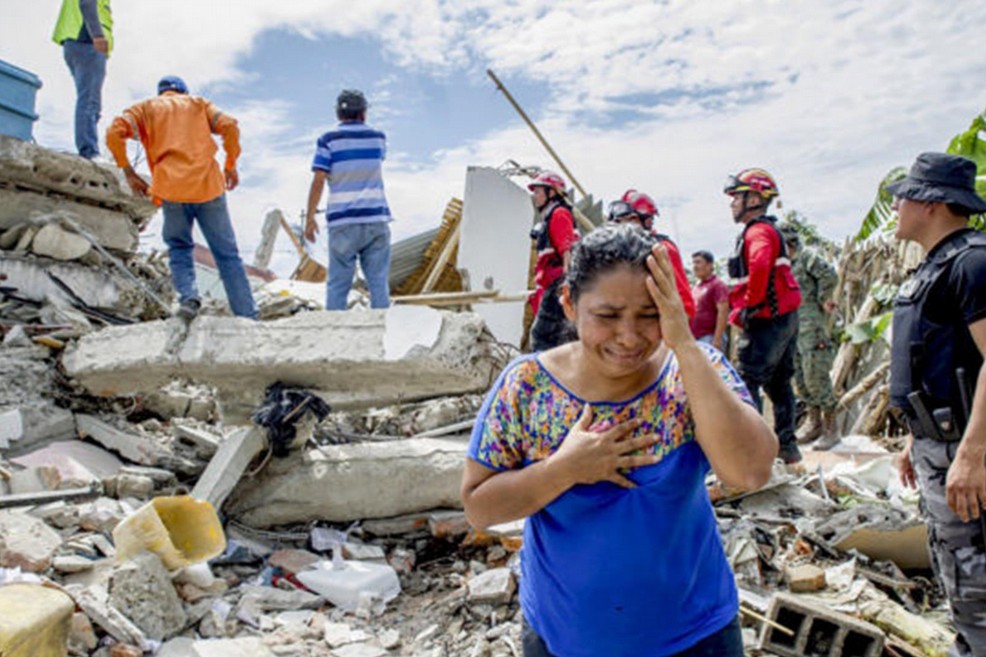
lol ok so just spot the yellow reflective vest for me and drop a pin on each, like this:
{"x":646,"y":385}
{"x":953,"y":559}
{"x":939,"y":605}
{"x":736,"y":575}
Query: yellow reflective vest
{"x":70,"y":21}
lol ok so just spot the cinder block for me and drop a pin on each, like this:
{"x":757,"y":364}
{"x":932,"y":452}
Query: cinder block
{"x":818,"y":631}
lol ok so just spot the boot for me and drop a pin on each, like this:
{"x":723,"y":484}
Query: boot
{"x":789,"y":453}
{"x":829,"y":436}
{"x":812,"y":428}
{"x":188,"y":309}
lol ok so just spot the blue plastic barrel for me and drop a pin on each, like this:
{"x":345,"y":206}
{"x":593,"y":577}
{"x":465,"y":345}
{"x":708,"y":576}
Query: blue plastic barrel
{"x":18,"y":89}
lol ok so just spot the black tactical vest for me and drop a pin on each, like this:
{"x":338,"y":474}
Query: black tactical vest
{"x":928,"y":346}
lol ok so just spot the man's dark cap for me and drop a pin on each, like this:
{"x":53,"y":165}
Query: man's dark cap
{"x":172,"y":83}
{"x":351,"y":100}
{"x":941,"y":178}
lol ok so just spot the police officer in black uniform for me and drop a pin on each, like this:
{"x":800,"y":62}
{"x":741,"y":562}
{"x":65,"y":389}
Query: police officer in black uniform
{"x":938,"y":381}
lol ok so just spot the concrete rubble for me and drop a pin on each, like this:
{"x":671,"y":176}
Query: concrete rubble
{"x":355,"y":359}
{"x":107,"y":405}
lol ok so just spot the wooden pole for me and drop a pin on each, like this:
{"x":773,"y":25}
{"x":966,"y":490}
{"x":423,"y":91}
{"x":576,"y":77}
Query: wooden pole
{"x":537,"y":133}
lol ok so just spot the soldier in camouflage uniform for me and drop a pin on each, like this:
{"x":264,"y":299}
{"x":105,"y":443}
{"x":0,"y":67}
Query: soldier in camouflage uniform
{"x":938,"y":382}
{"x":816,"y":349}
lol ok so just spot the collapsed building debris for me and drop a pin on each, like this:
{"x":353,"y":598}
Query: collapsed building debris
{"x":353,"y":544}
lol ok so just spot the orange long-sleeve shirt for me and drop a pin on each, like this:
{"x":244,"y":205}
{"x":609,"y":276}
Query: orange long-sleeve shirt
{"x":176,"y":131}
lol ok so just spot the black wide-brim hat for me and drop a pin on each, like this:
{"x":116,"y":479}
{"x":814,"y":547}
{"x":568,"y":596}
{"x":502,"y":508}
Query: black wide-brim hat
{"x":941,"y":178}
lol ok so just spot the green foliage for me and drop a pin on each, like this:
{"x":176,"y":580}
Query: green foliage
{"x":869,"y":330}
{"x":809,"y":233}
{"x":881,"y":217}
{"x":884,"y":293}
{"x":968,"y":144}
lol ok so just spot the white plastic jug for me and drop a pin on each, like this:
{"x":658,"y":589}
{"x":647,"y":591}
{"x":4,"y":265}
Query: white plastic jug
{"x":343,"y":583}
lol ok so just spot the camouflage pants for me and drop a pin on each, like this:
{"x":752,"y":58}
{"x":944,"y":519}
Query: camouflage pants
{"x":958,"y":554}
{"x":812,"y":375}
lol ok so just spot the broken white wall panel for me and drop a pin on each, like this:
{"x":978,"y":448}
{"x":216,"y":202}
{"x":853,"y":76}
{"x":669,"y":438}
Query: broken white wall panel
{"x":495,"y":246}
{"x":347,"y":482}
{"x":350,"y":358}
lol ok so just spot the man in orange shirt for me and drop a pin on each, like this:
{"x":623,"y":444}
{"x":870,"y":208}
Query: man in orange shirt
{"x":176,"y":130}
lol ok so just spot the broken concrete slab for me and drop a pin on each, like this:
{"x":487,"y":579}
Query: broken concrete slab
{"x":348,"y":482}
{"x":228,"y":465}
{"x":141,"y":590}
{"x":130,"y":445}
{"x":30,"y":167}
{"x":110,"y":619}
{"x":26,"y":542}
{"x":880,"y":532}
{"x":112,"y":230}
{"x":352,"y":358}
{"x":36,"y":422}
{"x":100,"y":288}
{"x":78,"y":463}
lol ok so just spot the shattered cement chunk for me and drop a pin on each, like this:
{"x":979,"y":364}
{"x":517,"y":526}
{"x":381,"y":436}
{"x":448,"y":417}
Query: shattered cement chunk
{"x":26,"y":542}
{"x":805,"y":578}
{"x":141,"y":589}
{"x":341,"y":634}
{"x":53,"y":241}
{"x":495,"y":586}
{"x":81,"y":637}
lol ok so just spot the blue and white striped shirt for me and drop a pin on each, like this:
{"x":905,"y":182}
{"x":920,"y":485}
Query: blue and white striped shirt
{"x":352,"y":155}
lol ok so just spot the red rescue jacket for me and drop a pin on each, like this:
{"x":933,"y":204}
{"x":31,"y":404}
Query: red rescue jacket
{"x":763,"y":284}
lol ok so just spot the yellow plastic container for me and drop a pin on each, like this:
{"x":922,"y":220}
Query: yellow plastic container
{"x":181,"y":530}
{"x":34,"y":621}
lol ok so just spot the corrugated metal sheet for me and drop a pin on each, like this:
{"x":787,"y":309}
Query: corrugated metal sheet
{"x":407,"y":255}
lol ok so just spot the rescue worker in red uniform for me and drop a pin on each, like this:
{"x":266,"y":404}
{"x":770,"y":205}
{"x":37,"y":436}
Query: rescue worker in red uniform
{"x":639,"y":208}
{"x":553,"y":237}
{"x":764,"y":299}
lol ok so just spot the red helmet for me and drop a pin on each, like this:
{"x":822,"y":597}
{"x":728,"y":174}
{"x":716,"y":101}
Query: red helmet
{"x":641,"y":203}
{"x":548,"y":179}
{"x":752,"y":180}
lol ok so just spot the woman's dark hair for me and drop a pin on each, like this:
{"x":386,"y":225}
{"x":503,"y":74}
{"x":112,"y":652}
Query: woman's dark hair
{"x":604,"y":249}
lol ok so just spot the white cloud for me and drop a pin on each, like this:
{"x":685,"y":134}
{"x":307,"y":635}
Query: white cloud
{"x":828,"y":96}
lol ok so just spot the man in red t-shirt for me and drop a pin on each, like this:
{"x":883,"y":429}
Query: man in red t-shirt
{"x":711,"y":296}
{"x":553,"y":237}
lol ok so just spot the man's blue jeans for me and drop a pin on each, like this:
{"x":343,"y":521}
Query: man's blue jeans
{"x":371,"y":244}
{"x":213,"y":220}
{"x":88,"y":67}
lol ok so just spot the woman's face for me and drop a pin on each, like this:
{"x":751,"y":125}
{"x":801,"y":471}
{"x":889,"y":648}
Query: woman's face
{"x":617,"y":322}
{"x":540,"y":195}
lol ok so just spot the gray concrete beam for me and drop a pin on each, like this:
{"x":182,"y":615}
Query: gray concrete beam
{"x":352,"y":359}
{"x":349,"y":482}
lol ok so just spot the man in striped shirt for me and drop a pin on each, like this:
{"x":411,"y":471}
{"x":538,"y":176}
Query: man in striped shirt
{"x":350,"y":158}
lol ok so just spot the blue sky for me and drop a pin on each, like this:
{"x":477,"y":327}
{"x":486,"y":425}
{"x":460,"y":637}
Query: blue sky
{"x":668,"y":97}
